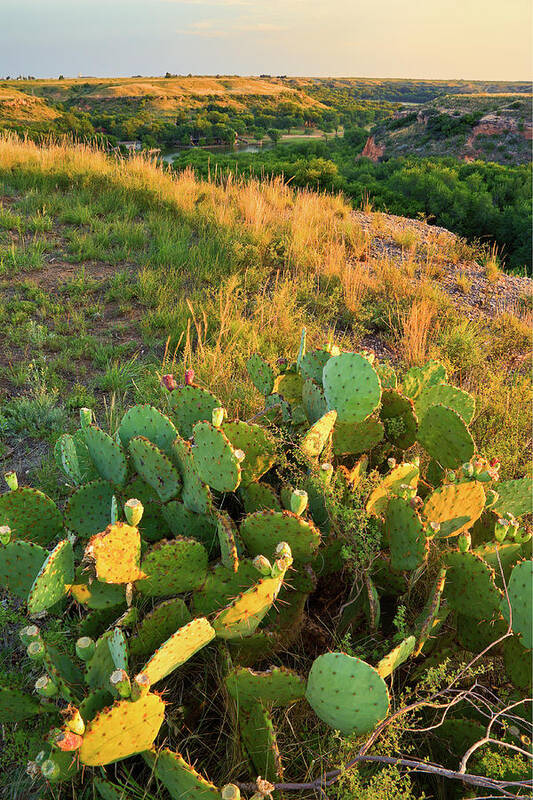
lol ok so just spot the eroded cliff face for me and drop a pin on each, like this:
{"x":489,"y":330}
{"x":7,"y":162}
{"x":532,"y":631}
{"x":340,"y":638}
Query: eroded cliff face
{"x":372,"y":150}
{"x":498,"y":126}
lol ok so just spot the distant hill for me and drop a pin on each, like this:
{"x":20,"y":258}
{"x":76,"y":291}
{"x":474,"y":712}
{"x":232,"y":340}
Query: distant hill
{"x":19,"y":107}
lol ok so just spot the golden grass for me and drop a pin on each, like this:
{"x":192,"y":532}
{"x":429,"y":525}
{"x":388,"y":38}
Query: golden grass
{"x":417,"y":329}
{"x":464,"y":283}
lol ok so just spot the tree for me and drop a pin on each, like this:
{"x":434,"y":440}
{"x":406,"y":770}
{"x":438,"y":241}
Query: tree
{"x":274,"y":134}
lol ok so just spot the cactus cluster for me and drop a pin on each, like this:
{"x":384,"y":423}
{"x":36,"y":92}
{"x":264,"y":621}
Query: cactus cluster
{"x":183,"y":528}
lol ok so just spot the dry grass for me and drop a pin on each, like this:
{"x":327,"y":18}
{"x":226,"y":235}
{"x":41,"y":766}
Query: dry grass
{"x":417,"y":329}
{"x":406,"y":239}
{"x":464,"y":283}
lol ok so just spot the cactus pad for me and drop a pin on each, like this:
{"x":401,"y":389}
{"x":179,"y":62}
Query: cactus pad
{"x":116,"y":553}
{"x":147,"y":421}
{"x":107,"y":456}
{"x":347,"y":693}
{"x":259,"y":497}
{"x":261,"y":374}
{"x":153,"y":525}
{"x":189,"y":405}
{"x":353,"y":438}
{"x":88,"y":510}
{"x":195,"y":493}
{"x":109,"y":791}
{"x":16,"y":705}
{"x":316,"y":438}
{"x":505,"y":553}
{"x":455,"y":507}
{"x":351,"y":386}
{"x":122,"y":730}
{"x":514,"y":497}
{"x":405,"y":534}
{"x":470,"y":586}
{"x":96,"y":595}
{"x":431,"y":617}
{"x":181,"y":646}
{"x":243,"y":615}
{"x":31,"y":515}
{"x":520,"y":591}
{"x":158,"y":625}
{"x":20,"y":563}
{"x":257,"y":444}
{"x":93,"y":703}
{"x":154,"y":467}
{"x":172,"y":567}
{"x":397,"y":656}
{"x":417,"y":379}
{"x":278,"y":686}
{"x":289,"y":385}
{"x":118,"y":649}
{"x":313,"y":401}
{"x":259,"y":740}
{"x":221,"y":585}
{"x":518,"y":663}
{"x":475,"y":635}
{"x":101,"y":665}
{"x":387,"y":376}
{"x":179,"y":778}
{"x":183,"y":522}
{"x":215,"y":458}
{"x":402,"y":474}
{"x":227,"y":537}
{"x":264,"y":530}
{"x":313,"y":363}
{"x":54,"y":579}
{"x":452,"y":397}
{"x":445,"y":436}
{"x":399,"y":418}
{"x":66,"y":457}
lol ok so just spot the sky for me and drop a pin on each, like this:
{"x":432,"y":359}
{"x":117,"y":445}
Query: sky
{"x":471,"y":39}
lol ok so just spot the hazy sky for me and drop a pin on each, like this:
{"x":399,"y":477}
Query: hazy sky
{"x":381,"y":38}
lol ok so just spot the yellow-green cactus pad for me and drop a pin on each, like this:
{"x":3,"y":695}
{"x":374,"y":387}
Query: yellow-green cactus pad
{"x":20,"y":563}
{"x":195,"y":494}
{"x":406,"y":473}
{"x":444,"y":435}
{"x":189,"y":405}
{"x":353,"y":438}
{"x":261,"y":374}
{"x":181,"y":646}
{"x":259,"y":740}
{"x":172,"y":567}
{"x":316,"y":438}
{"x":278,"y":686}
{"x":155,"y":468}
{"x":258,"y":446}
{"x":289,"y":385}
{"x":107,"y":456}
{"x":215,"y":458}
{"x":313,"y":363}
{"x":417,"y":379}
{"x":518,"y":663}
{"x":88,"y":510}
{"x":31,"y":515}
{"x":122,"y":731}
{"x":158,"y":625}
{"x":451,"y":396}
{"x":183,"y":522}
{"x":54,"y":578}
{"x":347,"y":693}
{"x":147,"y":421}
{"x":227,"y":537}
{"x":179,"y":778}
{"x":405,"y":534}
{"x":264,"y":530}
{"x":313,"y":401}
{"x":116,"y":553}
{"x":221,"y":585}
{"x":259,"y":497}
{"x":243,"y":615}
{"x":455,"y":507}
{"x":16,"y":705}
{"x":520,"y":591}
{"x":399,"y":418}
{"x":397,"y":656}
{"x":470,"y":586}
{"x":351,"y":386}
{"x":514,"y":497}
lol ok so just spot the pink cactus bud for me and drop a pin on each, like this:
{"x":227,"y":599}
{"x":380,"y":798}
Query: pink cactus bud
{"x":169,"y":382}
{"x":189,"y":377}
{"x":494,"y":462}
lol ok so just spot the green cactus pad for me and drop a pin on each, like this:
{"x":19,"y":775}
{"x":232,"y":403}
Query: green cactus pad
{"x":470,"y":587}
{"x":158,"y":625}
{"x":445,"y":436}
{"x":261,"y":374}
{"x":153,"y":525}
{"x":16,"y":705}
{"x":101,"y":666}
{"x":195,"y":494}
{"x":31,"y":515}
{"x":179,"y":778}
{"x":215,"y":458}
{"x":475,"y":635}
{"x":351,"y":386}
{"x":387,"y":376}
{"x":107,"y":456}
{"x":154,"y":467}
{"x":451,"y":396}
{"x":181,"y":646}
{"x":430,"y":618}
{"x":289,"y":385}
{"x":257,"y":444}
{"x":96,"y":595}
{"x":347,"y":693}
{"x":264,"y":530}
{"x":399,"y":418}
{"x":183,"y":522}
{"x":405,"y":473}
{"x":243,"y":615}
{"x":95,"y":702}
{"x":173,"y":567}
{"x":257,"y":647}
{"x":313,"y":401}
{"x":118,"y":649}
{"x":222,"y":585}
{"x":147,"y":421}
{"x":514,"y":497}
{"x":505,"y":553}
{"x":122,"y":731}
{"x":72,"y":457}
{"x":417,"y":379}
{"x":455,"y":507}
{"x":109,"y":791}
{"x":227,"y":537}
{"x":259,"y":497}
{"x":20,"y":563}
{"x":189,"y":405}
{"x":397,"y":656}
{"x":518,"y":663}
{"x":278,"y":686}
{"x":405,"y":534}
{"x":64,"y":671}
{"x":259,"y":740}
{"x":316,"y":438}
{"x":520,"y":591}
{"x":353,"y":438}
{"x":313,"y":363}
{"x":54,"y":579}
{"x":88,"y":510}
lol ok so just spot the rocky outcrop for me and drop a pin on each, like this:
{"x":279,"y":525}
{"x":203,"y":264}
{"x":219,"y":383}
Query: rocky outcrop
{"x":372,"y":150}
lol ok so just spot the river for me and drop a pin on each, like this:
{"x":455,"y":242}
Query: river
{"x":219,"y":148}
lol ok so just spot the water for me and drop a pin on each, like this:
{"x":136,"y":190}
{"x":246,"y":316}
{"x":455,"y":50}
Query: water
{"x":220,"y":148}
